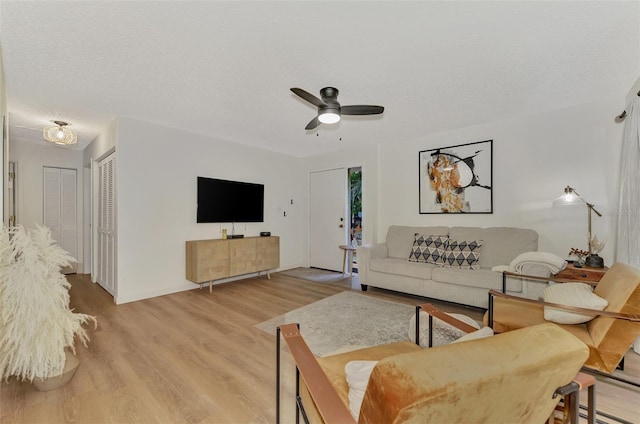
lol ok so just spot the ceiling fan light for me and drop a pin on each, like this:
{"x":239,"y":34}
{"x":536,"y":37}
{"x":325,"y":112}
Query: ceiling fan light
{"x":60,"y":134}
{"x":328,"y":117}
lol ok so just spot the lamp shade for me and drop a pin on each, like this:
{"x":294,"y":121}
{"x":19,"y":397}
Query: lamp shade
{"x":60,"y":134}
{"x":568,"y":198}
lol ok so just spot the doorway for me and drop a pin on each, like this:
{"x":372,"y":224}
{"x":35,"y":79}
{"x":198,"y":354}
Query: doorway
{"x":355,"y":206}
{"x":12,"y":190}
{"x":107,"y":225}
{"x":60,"y":209}
{"x":328,"y":227}
{"x":355,"y":213}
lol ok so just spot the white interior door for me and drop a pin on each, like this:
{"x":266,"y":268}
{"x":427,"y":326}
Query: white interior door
{"x":327,"y":218}
{"x":106,"y":275}
{"x":60,"y":207}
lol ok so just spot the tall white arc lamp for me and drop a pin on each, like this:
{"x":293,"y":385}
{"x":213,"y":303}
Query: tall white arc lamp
{"x":572,"y":198}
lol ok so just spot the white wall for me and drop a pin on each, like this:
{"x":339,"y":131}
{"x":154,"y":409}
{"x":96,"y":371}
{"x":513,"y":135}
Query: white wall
{"x":101,"y":146}
{"x":156,"y":182}
{"x":534,"y":158}
{"x":30,"y":159}
{"x":4,"y":148}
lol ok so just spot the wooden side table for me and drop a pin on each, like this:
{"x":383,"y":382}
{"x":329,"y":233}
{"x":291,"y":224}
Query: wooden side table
{"x":586,"y":274}
{"x":348,"y":251}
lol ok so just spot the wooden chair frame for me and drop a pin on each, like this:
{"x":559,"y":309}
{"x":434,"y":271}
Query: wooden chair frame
{"x":333,"y":410}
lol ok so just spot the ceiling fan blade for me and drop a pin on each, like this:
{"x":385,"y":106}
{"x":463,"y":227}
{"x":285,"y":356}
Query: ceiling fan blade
{"x":361,"y":110}
{"x":312,"y":124}
{"x":308,"y":97}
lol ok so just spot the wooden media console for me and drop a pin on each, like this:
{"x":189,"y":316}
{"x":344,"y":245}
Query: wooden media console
{"x":209,"y":260}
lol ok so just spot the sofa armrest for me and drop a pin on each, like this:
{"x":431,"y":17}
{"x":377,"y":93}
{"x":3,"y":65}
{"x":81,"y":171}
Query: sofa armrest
{"x":372,"y":251}
{"x":365,"y":254}
{"x":531,"y":288}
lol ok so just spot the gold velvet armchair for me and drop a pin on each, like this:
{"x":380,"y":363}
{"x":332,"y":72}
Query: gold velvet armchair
{"x":609,"y":335}
{"x":519,"y":376}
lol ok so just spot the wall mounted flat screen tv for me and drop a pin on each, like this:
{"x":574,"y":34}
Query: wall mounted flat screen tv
{"x":229,"y":201}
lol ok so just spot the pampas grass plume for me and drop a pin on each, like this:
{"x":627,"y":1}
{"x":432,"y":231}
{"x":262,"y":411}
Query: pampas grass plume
{"x":36,"y":323}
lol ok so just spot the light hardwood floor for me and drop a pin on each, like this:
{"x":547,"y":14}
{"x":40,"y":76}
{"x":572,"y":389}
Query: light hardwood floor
{"x":196,"y":357}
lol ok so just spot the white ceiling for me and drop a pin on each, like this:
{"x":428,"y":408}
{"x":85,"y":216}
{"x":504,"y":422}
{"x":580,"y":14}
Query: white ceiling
{"x":224,"y":69}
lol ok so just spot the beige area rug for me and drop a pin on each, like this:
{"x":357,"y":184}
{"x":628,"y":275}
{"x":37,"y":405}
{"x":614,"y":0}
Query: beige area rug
{"x":347,"y":319}
{"x":316,"y":275}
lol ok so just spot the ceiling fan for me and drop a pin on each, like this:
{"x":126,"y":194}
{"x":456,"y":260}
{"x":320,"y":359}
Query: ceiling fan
{"x":329,"y":110}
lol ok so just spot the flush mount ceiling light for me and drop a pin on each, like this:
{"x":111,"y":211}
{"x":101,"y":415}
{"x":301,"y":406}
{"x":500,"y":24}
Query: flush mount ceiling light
{"x":60,"y":134}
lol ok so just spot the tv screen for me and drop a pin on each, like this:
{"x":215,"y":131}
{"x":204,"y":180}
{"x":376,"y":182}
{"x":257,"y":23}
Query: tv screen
{"x":229,"y":201}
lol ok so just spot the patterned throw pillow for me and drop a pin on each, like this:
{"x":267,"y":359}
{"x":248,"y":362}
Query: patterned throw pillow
{"x":428,"y":249}
{"x":463,"y":254}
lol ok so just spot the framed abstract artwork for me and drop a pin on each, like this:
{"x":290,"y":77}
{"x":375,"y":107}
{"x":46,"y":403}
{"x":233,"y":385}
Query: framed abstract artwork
{"x":456,"y":179}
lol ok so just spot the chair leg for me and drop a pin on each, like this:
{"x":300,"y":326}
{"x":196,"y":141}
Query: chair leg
{"x":591,"y":405}
{"x":418,"y":308}
{"x":573,"y":406}
{"x":278,"y":375}
{"x":570,"y":393}
{"x":298,"y":399}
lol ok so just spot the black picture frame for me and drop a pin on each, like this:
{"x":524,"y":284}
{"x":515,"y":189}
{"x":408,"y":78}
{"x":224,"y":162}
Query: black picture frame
{"x":456,"y":179}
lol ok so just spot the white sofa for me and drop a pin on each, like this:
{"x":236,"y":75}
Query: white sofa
{"x":386,"y":265}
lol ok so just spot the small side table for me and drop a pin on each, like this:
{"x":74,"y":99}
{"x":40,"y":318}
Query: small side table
{"x":586,"y":274}
{"x":348,"y":251}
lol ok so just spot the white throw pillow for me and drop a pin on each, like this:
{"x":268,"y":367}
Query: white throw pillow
{"x":571,"y":294}
{"x":475,"y":335}
{"x":358,"y":373}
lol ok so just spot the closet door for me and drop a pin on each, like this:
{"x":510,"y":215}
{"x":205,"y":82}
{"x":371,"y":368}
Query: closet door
{"x":60,"y":205}
{"x":107,"y":224}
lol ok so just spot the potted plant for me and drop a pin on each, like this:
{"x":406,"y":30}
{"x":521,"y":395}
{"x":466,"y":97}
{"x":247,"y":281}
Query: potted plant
{"x":37,"y":327}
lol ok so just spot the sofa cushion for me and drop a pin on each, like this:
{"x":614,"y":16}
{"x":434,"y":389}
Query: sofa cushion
{"x":428,"y":248}
{"x":400,"y":238}
{"x":482,"y":278}
{"x":402,"y":267}
{"x":501,"y":244}
{"x":463,"y":254}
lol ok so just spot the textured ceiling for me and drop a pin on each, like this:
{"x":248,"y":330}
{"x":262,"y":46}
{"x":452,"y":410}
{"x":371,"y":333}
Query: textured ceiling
{"x":224,"y":69}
